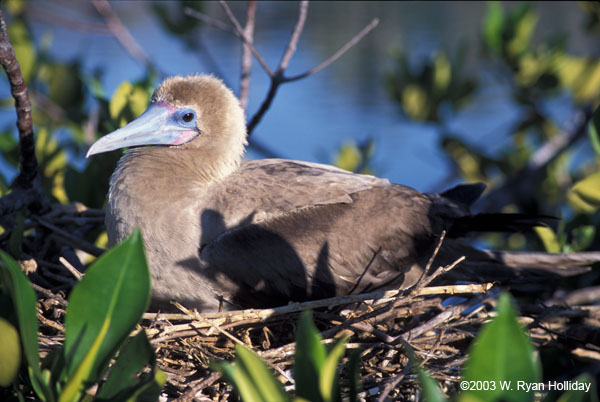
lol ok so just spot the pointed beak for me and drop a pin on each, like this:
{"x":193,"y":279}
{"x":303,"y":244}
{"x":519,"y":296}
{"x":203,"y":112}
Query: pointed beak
{"x":158,"y":125}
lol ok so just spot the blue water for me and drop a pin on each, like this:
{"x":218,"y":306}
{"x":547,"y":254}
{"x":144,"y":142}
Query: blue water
{"x":310,"y":119}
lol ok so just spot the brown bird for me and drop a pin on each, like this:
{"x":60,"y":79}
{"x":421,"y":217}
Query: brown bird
{"x":224,"y":234}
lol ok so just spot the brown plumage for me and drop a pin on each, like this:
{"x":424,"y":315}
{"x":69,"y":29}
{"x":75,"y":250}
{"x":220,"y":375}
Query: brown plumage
{"x":270,"y":231}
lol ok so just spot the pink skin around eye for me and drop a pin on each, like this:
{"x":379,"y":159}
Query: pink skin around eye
{"x":185,"y":136}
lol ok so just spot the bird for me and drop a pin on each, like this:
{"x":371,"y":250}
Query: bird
{"x":221,"y":233}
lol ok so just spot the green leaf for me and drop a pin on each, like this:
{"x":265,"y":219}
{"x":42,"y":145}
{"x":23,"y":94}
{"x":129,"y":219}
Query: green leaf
{"x":16,"y":284}
{"x":105,"y":306}
{"x":328,"y":380}
{"x":241,"y":381}
{"x":135,"y":354}
{"x":75,"y":385}
{"x":584,"y":196}
{"x":583,"y":237}
{"x":594,"y":131}
{"x":119,"y":99}
{"x":548,"y":238}
{"x":502,"y":352}
{"x":493,"y":25}
{"x":354,"y":374}
{"x":10,"y":353}
{"x":348,"y":157}
{"x":309,"y":359}
{"x":262,"y":377}
{"x":431,"y":390}
{"x":581,"y":395}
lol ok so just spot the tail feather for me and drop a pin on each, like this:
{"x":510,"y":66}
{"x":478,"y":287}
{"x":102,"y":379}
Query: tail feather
{"x":512,"y":267}
{"x":498,"y":222}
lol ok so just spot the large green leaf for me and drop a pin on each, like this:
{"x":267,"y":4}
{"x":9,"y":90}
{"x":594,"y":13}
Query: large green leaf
{"x":123,"y":380}
{"x":15,"y":283}
{"x":309,"y":359}
{"x":266,"y":384}
{"x":586,"y":390}
{"x":328,"y":379}
{"x":243,"y":384}
{"x":431,"y":390}
{"x":104,"y":308}
{"x":502,"y":354}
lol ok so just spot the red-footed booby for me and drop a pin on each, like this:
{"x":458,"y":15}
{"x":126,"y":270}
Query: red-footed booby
{"x":224,"y":234}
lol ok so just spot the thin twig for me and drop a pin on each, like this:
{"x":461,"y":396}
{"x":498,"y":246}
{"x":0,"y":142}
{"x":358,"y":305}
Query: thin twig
{"x":78,"y":275}
{"x":239,"y":31}
{"x":121,"y":33}
{"x":75,"y":241}
{"x":206,"y":382}
{"x":293,"y":42}
{"x":337,"y":54}
{"x":247,"y":54}
{"x":207,"y":19}
{"x":279,"y":78}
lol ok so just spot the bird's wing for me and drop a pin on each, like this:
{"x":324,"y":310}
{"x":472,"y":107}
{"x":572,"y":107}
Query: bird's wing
{"x":265,"y":189}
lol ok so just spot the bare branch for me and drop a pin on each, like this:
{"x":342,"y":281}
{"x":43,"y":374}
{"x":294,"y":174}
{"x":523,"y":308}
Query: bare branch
{"x":339,"y":53}
{"x":279,"y":78}
{"x":27,"y":188}
{"x":121,"y":33}
{"x":291,"y":46}
{"x":247,"y":54}
{"x":20,"y":93}
{"x":239,"y":31}
{"x":207,"y":19}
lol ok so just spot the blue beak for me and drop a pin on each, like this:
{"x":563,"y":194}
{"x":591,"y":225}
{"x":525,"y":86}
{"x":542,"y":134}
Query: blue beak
{"x":160,"y":124}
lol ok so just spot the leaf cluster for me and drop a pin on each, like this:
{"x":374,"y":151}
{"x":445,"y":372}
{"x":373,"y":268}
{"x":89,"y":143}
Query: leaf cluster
{"x":104,"y":308}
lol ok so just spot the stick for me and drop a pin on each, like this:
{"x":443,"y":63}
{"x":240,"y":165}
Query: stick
{"x":247,"y":54}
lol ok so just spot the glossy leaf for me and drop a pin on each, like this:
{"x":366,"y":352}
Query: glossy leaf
{"x":328,"y":379}
{"x":75,"y":384}
{"x":431,"y":390}
{"x":123,"y":379}
{"x":258,"y":372}
{"x":10,"y":353}
{"x":548,"y":238}
{"x":584,"y":196}
{"x":502,"y":352}
{"x":16,"y":284}
{"x":581,"y":395}
{"x":105,"y":306}
{"x":309,"y":359}
{"x":236,"y":375}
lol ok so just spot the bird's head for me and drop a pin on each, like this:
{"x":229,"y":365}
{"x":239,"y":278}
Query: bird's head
{"x":192,"y":112}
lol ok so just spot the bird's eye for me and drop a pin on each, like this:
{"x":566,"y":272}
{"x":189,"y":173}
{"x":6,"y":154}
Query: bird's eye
{"x":189,"y":116}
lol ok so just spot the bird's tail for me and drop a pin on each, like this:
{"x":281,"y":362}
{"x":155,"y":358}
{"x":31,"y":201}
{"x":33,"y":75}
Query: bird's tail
{"x":498,"y":222}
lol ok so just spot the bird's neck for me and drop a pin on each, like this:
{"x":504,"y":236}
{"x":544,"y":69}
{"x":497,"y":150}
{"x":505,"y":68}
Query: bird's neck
{"x":154,"y":181}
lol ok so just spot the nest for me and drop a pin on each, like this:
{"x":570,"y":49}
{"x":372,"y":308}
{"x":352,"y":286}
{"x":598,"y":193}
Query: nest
{"x":437,"y":322}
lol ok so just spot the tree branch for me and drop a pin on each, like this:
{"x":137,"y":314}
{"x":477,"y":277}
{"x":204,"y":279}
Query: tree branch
{"x":291,"y":46}
{"x":121,"y":33}
{"x":239,"y":32}
{"x":339,"y":53}
{"x":247,"y":54}
{"x":278,"y":78}
{"x":27,"y":188}
{"x":522,"y":183}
